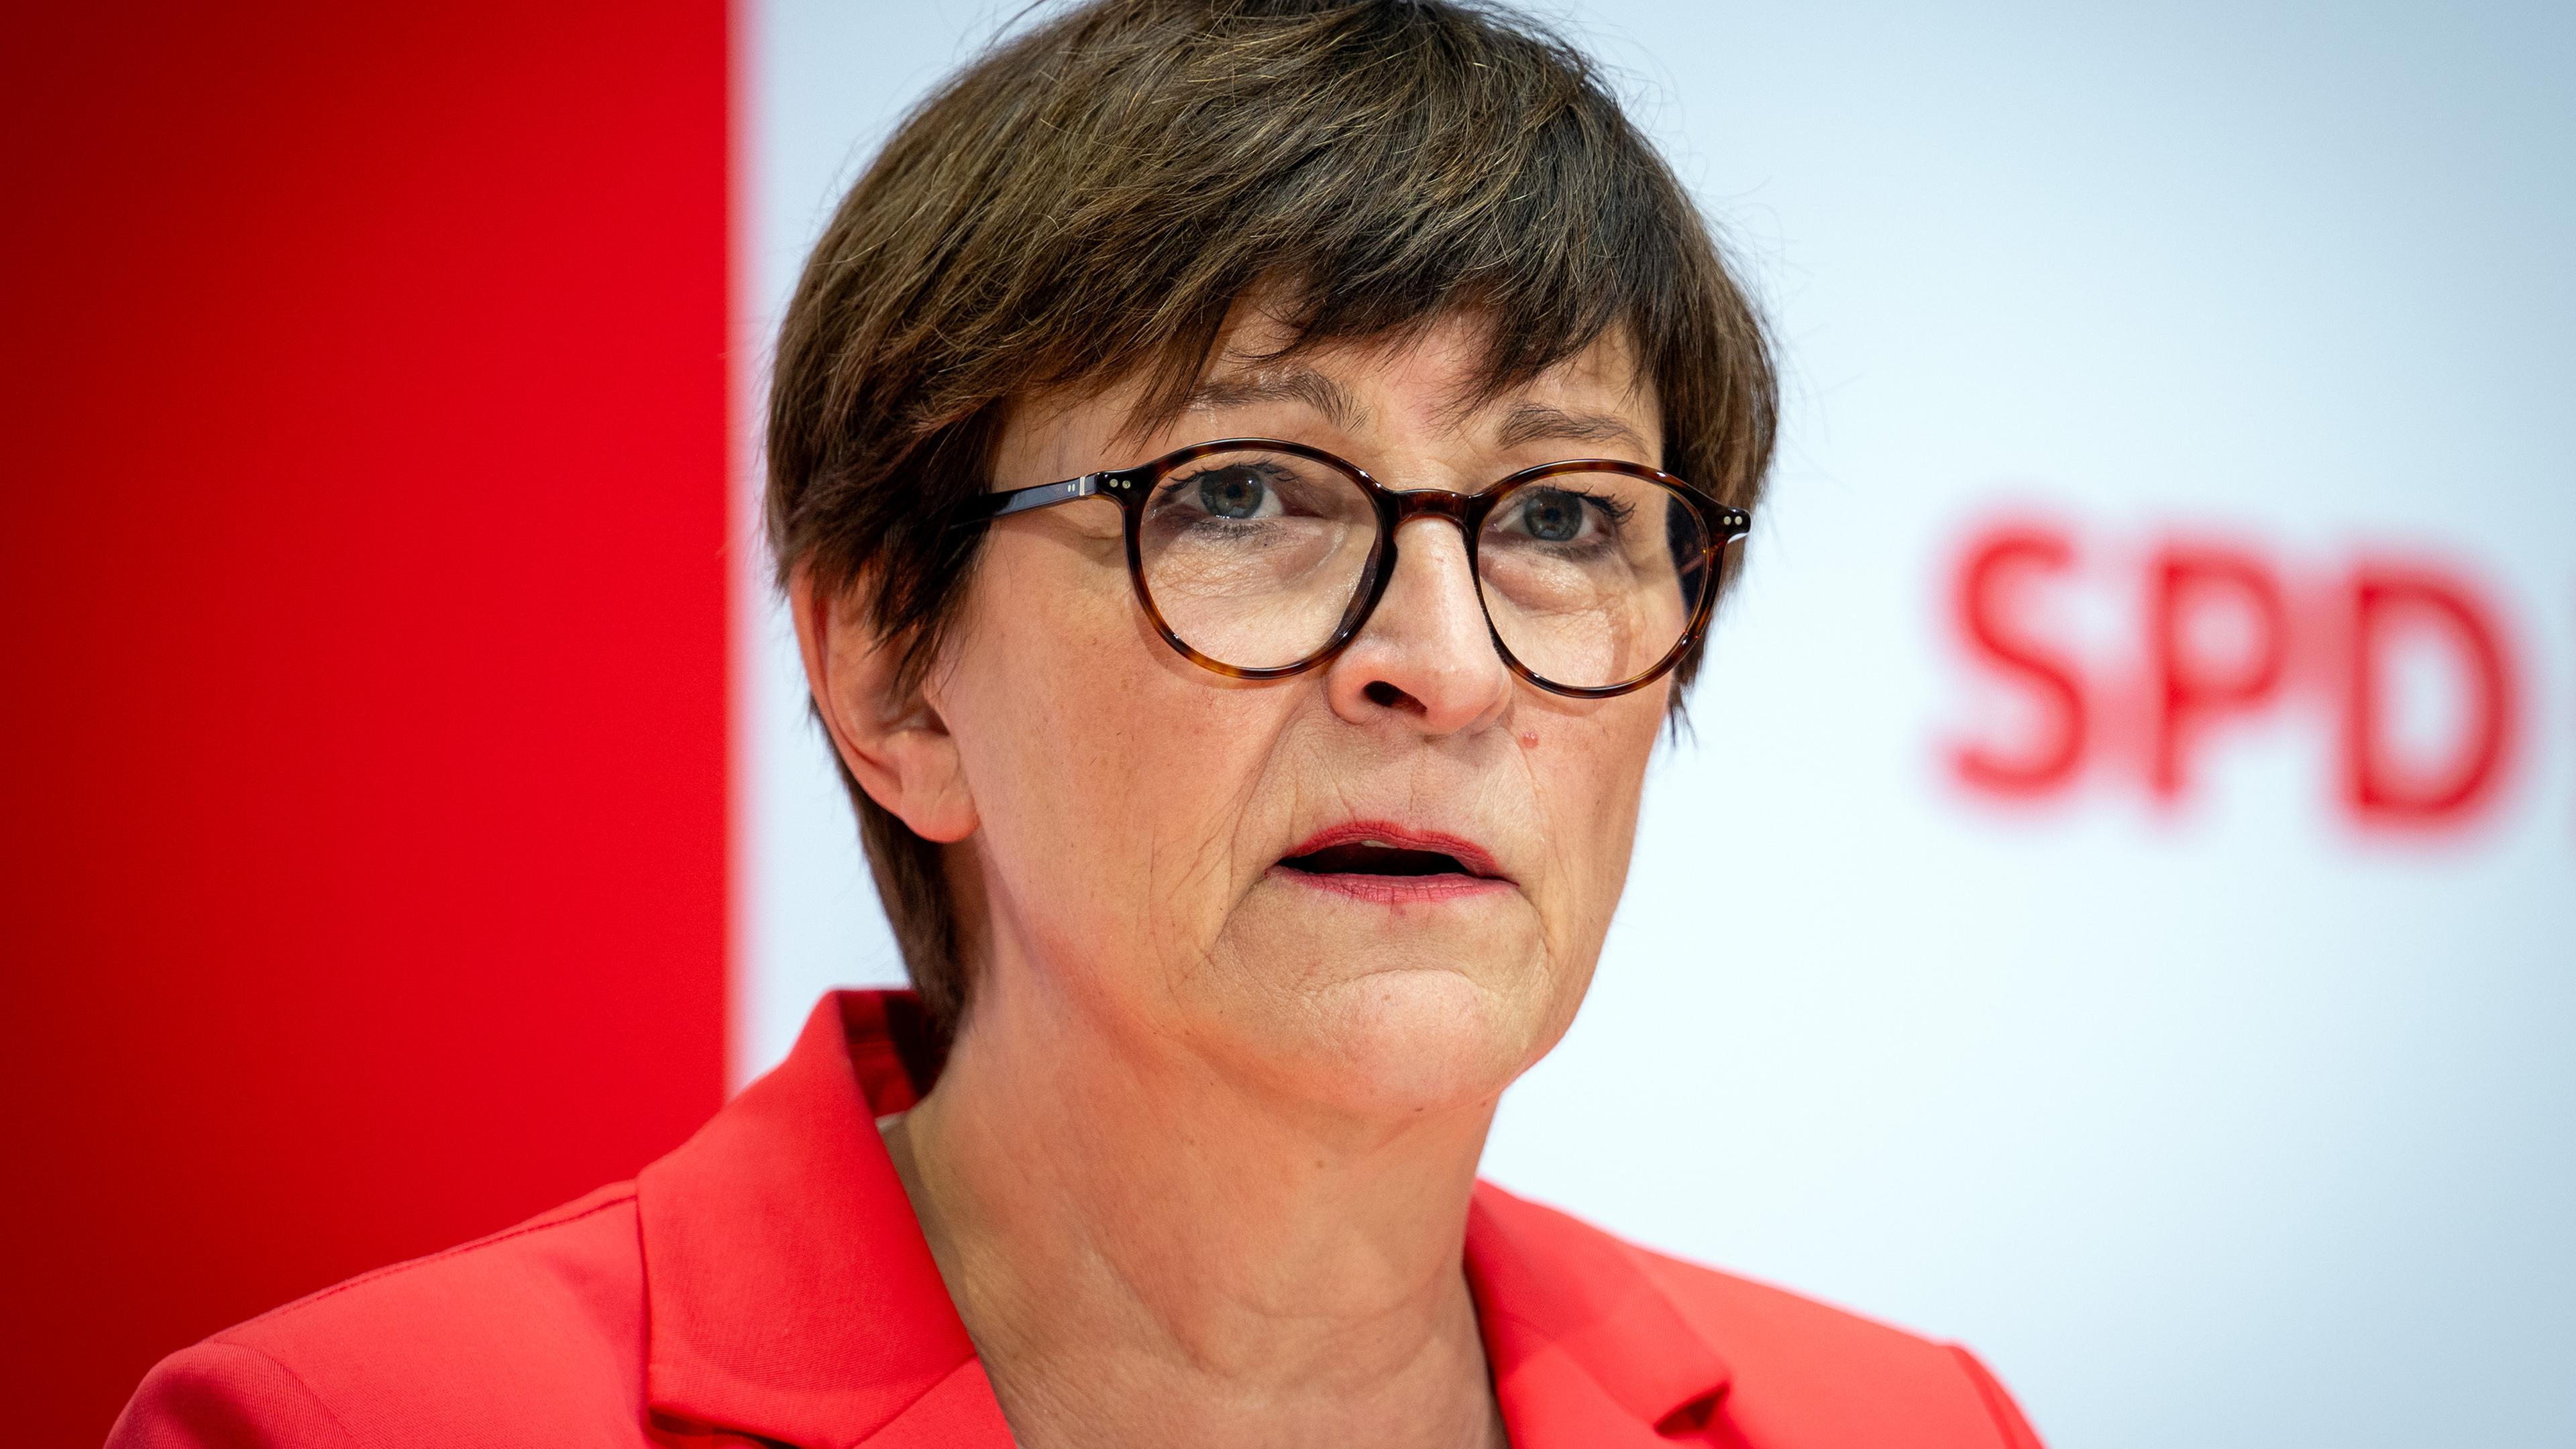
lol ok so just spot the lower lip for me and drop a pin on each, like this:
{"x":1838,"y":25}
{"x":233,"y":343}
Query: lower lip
{"x":1397,"y":890}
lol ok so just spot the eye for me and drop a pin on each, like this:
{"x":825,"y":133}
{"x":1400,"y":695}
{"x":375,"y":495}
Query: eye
{"x":1552,"y":515}
{"x":1236,"y":492}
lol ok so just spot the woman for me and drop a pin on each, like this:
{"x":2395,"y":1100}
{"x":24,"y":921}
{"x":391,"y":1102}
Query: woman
{"x":1251,"y":477}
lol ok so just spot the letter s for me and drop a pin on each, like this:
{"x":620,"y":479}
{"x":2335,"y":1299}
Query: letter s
{"x":1983,"y":606}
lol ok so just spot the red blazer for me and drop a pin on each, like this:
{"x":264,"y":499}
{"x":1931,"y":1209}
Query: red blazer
{"x":767,"y":1284}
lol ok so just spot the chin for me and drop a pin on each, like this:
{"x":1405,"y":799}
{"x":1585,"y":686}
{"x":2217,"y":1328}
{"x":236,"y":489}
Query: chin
{"x":1399,"y":1042}
{"x":1385,"y":1014}
{"x":1421,"y":1041}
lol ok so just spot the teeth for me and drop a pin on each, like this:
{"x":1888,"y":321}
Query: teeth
{"x":1380,"y":844}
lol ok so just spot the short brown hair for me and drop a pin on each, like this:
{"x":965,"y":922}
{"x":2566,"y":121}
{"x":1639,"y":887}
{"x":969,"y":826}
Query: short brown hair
{"x":1083,"y":205}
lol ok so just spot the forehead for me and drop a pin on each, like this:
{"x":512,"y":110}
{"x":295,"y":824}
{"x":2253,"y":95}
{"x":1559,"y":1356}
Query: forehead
{"x":1432,"y":381}
{"x":1439,"y":374}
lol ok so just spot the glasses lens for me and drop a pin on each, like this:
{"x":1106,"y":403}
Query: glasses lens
{"x":1254,"y":557}
{"x":1591,"y":578}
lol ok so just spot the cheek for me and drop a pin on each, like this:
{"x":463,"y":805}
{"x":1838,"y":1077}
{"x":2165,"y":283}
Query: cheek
{"x":1112,"y":777}
{"x":1587,"y":771}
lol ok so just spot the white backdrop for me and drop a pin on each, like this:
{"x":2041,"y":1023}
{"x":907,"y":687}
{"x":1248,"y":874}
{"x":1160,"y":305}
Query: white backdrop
{"x":2234,"y":1116}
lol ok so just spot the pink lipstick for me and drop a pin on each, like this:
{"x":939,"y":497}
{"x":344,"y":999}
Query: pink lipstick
{"x":1376,"y":860}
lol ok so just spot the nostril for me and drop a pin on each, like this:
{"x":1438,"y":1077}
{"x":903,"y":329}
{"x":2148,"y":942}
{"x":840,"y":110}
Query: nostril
{"x":1385,"y":695}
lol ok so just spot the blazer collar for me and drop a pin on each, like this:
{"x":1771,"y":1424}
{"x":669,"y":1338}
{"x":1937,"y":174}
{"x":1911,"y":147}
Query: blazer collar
{"x":1584,"y":1347}
{"x":790,"y":1294}
{"x":788,"y":1290}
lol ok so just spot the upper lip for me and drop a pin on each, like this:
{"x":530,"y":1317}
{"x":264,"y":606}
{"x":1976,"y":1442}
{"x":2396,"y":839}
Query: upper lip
{"x":1472,"y":857}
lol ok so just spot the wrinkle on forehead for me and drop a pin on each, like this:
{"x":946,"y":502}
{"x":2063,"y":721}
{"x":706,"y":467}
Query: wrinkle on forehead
{"x":1260,"y":356}
{"x":1339,"y":405}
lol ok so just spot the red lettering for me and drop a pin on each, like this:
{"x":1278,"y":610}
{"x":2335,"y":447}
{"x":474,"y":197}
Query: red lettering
{"x":2192,"y":684}
{"x":2415,"y":658}
{"x":1983,"y":599}
{"x":2390,"y":603}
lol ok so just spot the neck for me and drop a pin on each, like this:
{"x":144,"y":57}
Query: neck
{"x":1147,"y":1251}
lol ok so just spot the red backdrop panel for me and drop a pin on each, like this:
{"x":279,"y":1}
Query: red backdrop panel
{"x":362,"y":552}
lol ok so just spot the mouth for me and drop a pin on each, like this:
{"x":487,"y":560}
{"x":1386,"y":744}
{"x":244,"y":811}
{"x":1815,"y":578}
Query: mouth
{"x":1375,"y":860}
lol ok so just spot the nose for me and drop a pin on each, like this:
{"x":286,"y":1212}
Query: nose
{"x":1426,"y":656}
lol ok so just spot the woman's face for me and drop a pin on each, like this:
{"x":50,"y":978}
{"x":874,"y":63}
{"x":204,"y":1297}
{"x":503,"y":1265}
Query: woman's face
{"x":1141,"y":836}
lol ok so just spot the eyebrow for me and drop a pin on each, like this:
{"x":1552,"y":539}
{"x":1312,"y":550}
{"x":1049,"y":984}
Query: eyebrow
{"x":1529,"y":422}
{"x":1290,"y":384}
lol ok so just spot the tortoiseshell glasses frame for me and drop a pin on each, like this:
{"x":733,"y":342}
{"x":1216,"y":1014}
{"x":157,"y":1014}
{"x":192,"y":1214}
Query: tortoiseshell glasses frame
{"x":1720,"y":527}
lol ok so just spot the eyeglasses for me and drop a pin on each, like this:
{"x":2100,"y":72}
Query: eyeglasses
{"x":1260,"y":559}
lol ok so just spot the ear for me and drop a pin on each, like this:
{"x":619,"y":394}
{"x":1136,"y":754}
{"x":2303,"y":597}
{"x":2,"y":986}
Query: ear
{"x":891,"y":739}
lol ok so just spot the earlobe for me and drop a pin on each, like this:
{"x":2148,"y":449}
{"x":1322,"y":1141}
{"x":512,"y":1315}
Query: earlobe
{"x":890,"y":737}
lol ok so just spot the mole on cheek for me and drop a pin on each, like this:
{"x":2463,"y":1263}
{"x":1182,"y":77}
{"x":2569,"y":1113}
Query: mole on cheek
{"x":1529,"y":739}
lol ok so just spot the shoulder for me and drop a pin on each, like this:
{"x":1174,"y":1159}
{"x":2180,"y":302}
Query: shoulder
{"x":1800,"y":1372}
{"x":540,"y":1325}
{"x":1807,"y":1372}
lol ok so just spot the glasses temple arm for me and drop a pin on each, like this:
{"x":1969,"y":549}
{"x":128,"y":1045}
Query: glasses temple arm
{"x":987,"y":506}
